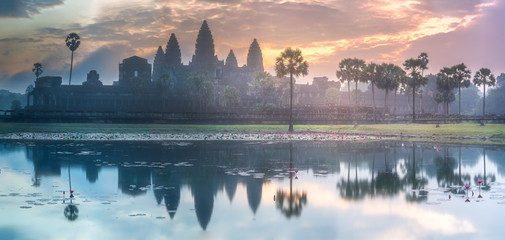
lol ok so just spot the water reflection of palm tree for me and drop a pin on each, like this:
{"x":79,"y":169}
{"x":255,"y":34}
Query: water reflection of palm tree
{"x":387,"y":182}
{"x":417,"y":194}
{"x":484,"y":177}
{"x":71,"y":211}
{"x":295,"y":200}
{"x":357,"y":189}
{"x":445,"y":170}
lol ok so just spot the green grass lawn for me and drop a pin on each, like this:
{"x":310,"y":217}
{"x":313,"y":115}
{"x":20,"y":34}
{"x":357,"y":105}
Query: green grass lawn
{"x":462,"y":130}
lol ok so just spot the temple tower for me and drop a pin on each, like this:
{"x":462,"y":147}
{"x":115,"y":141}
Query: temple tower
{"x":255,"y":57}
{"x":159,"y":64}
{"x":205,"y":58}
{"x":173,"y":53}
{"x":231,"y":60}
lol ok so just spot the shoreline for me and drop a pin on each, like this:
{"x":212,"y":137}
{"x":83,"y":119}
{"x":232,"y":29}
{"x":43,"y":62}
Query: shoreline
{"x":212,"y":136}
{"x":191,"y":136}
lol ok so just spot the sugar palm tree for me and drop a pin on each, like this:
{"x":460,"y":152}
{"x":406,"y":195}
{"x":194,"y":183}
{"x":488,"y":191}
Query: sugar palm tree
{"x":415,"y":68}
{"x":461,"y":76}
{"x":351,"y":69}
{"x":72,"y":41}
{"x":291,"y":62}
{"x":484,"y":77}
{"x":37,"y":69}
{"x":445,"y":85}
{"x":372,"y":74}
{"x":389,"y":79}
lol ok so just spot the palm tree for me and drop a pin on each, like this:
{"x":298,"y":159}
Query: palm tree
{"x":416,"y":68}
{"x":73,"y":42}
{"x":37,"y":69}
{"x":390,"y":76}
{"x":351,"y":69}
{"x":231,"y":96}
{"x":445,"y":84}
{"x":372,"y":74}
{"x":461,"y":76}
{"x":291,"y":62}
{"x":424,"y":59}
{"x":484,"y":77}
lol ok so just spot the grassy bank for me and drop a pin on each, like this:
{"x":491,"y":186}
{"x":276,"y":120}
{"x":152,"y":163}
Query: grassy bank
{"x":494,"y":132}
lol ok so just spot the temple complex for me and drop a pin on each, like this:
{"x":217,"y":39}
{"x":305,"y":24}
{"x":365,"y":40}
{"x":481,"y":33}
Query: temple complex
{"x":169,"y":86}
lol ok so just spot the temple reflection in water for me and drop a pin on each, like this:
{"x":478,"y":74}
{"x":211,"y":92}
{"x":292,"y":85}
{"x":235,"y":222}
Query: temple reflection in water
{"x":365,"y":170}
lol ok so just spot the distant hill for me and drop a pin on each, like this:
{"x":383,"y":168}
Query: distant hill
{"x":6,"y":98}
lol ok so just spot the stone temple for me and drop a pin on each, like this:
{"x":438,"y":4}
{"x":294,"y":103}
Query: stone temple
{"x":141,"y":88}
{"x":223,"y":73}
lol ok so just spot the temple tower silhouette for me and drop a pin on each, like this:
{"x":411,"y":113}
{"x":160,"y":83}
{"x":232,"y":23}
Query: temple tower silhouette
{"x":255,"y":57}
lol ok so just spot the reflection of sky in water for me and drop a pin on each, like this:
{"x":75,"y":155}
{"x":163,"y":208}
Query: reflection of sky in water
{"x":349,"y":191}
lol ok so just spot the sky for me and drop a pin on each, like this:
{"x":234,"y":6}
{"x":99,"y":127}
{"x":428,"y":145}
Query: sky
{"x":449,"y":31}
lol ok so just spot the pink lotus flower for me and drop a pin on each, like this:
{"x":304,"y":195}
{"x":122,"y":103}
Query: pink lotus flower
{"x":479,"y":181}
{"x":467,"y":186}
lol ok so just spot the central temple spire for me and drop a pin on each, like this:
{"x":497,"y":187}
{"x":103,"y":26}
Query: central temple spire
{"x":255,"y":57}
{"x":173,"y":52}
{"x":204,"y":46}
{"x":205,"y":58}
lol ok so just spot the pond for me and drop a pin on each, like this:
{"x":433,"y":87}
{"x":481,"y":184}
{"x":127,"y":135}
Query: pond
{"x":250,"y":190}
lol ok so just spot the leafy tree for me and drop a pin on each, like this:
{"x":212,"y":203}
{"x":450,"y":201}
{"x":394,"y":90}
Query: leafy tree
{"x":231,"y":96}
{"x":29,"y":89}
{"x":291,"y":62}
{"x":332,"y":95}
{"x":165,"y":85}
{"x":37,"y":69}
{"x":206,"y":93}
{"x":15,"y":105}
{"x":496,"y":98}
{"x":193,"y":84}
{"x":415,"y":69}
{"x":500,"y":80}
{"x":471,"y":101}
{"x":390,"y":76}
{"x":485,"y":78}
{"x":137,"y":84}
{"x":263,"y":86}
{"x":445,"y":84}
{"x":351,"y":69}
{"x":72,"y":41}
{"x":165,"y":82}
{"x":461,"y":76}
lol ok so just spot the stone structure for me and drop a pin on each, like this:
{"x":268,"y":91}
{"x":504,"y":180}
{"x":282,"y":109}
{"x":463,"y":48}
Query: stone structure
{"x":136,"y":91}
{"x":165,"y":91}
{"x":222,"y":73}
{"x":134,"y":67}
{"x":315,"y":93}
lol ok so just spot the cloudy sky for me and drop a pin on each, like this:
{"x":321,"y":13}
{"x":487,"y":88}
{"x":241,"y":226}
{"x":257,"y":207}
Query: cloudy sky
{"x":450,"y":31}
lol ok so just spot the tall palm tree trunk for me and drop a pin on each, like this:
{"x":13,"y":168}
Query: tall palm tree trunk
{"x":356,"y":90}
{"x":349,"y":91}
{"x":414,"y":102}
{"x":373,"y":102}
{"x":459,"y":100}
{"x":385,"y":102}
{"x":291,"y":103}
{"x":71,"y":64}
{"x":484,"y":102}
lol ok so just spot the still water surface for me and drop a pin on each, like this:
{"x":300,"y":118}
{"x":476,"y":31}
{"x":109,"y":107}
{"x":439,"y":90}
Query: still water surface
{"x":250,"y":190}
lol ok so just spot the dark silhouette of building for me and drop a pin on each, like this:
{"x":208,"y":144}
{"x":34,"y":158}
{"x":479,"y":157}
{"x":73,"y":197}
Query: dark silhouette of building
{"x":134,"y":67}
{"x":137,"y":91}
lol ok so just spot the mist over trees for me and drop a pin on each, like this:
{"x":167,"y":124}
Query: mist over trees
{"x":496,"y":97}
